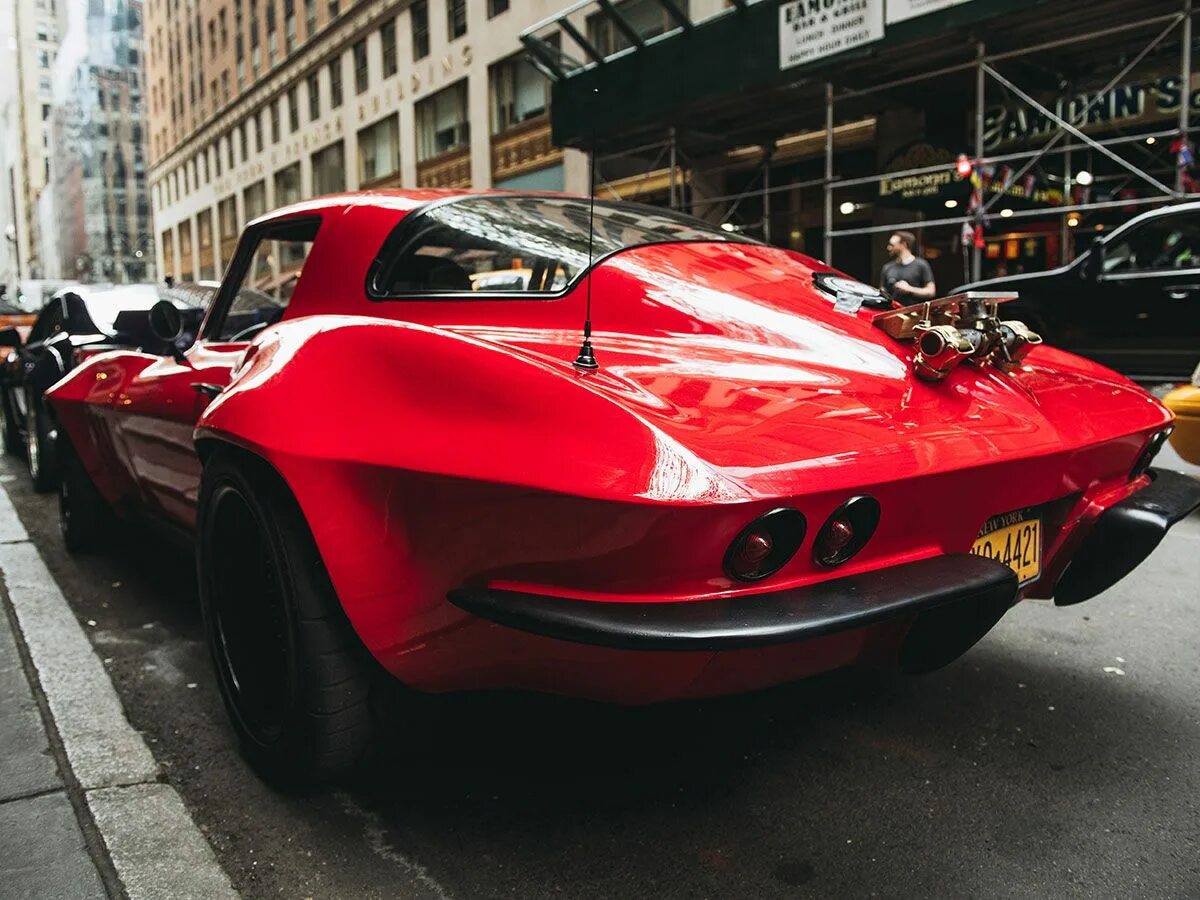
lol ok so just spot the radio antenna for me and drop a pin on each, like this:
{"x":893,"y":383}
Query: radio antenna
{"x":586,"y":358}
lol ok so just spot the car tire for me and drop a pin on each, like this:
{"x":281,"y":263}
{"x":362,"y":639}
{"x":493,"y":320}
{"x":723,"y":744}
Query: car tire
{"x":294,"y":677}
{"x":14,"y":445}
{"x":83,"y":516}
{"x":43,"y":468}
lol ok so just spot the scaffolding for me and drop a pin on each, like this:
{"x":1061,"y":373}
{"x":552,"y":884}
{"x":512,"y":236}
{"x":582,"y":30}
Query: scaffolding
{"x":1149,"y":172}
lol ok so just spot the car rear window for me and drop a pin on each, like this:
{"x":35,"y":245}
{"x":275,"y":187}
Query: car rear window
{"x":518,"y":245}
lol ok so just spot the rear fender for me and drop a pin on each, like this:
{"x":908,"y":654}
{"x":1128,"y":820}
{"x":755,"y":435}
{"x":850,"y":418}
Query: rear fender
{"x":422,"y":459}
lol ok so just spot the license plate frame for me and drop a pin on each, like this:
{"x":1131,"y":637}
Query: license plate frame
{"x":1014,"y":537}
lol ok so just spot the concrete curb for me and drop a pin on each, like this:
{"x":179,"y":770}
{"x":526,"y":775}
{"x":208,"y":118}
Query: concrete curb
{"x":154,"y":845}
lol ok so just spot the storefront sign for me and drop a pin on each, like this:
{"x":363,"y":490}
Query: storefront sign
{"x":900,"y":10}
{"x":1129,"y":104}
{"x":813,"y":29}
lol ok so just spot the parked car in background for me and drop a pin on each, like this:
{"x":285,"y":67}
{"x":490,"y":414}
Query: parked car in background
{"x":1184,"y":401}
{"x":758,"y":476}
{"x":1131,"y":302}
{"x":77,"y":321}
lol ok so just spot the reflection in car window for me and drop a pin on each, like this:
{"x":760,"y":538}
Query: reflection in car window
{"x":269,"y":283}
{"x":1170,"y":243}
{"x":525,"y":244}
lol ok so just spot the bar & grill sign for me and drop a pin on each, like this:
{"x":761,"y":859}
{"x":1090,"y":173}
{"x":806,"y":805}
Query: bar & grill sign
{"x":812,"y":29}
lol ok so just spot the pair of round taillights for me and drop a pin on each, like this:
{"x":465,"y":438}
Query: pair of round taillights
{"x":764,"y":546}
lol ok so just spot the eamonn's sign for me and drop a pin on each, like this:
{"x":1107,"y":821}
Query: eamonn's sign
{"x":1135,"y":103}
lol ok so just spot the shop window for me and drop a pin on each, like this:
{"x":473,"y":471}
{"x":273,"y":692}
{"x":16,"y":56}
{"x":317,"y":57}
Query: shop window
{"x":442,"y":124}
{"x":329,"y":169}
{"x":379,"y":150}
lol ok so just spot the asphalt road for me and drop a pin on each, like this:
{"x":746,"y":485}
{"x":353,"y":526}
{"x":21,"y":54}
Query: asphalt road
{"x":1061,"y":757}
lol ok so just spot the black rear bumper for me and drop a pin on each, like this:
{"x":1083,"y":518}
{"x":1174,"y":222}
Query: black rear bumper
{"x":959,"y":596}
{"x":1125,"y":534}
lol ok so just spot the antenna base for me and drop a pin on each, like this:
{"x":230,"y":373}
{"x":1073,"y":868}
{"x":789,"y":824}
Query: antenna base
{"x":586,"y":358}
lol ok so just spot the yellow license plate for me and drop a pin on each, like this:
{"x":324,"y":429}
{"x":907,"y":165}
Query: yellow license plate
{"x":1014,"y":539}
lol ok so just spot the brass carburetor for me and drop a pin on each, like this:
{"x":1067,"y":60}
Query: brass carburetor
{"x":960,"y":327}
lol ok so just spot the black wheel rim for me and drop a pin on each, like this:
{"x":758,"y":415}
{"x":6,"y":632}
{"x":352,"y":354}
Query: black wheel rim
{"x":248,"y":617}
{"x":35,"y":443}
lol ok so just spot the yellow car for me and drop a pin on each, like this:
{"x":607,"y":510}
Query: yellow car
{"x":1184,"y":401}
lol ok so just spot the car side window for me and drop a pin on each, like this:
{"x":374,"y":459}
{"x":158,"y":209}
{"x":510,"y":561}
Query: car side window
{"x":1170,"y":243}
{"x":267,"y":282}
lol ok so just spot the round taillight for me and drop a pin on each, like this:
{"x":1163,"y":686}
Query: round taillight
{"x":765,"y":545}
{"x":846,"y":531}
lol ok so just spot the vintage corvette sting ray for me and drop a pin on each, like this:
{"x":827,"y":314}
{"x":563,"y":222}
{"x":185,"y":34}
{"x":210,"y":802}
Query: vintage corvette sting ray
{"x":755,"y":470}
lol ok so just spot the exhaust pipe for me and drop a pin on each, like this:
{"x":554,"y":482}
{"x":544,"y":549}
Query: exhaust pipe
{"x":940,"y":348}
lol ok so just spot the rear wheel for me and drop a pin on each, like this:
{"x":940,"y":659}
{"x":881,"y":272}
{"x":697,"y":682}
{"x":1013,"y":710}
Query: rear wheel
{"x":294,"y":677}
{"x":83,"y":516}
{"x":42,"y":464}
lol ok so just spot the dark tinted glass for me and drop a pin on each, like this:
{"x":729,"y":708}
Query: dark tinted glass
{"x":536,"y":245}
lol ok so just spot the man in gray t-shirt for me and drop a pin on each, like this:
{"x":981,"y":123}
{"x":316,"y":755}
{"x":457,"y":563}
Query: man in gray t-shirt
{"x":906,"y":278}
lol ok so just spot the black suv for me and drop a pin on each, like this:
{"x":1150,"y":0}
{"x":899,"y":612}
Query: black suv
{"x":1131,"y":302}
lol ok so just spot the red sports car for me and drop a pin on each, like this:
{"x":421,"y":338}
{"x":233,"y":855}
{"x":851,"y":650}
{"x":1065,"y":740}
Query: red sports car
{"x":756,"y":470}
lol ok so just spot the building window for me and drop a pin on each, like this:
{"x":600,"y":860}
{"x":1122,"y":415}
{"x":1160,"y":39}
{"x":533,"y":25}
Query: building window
{"x":335,"y":83}
{"x":442,"y":124}
{"x":205,"y":238}
{"x":293,"y":102}
{"x":495,"y":7}
{"x":310,"y":17}
{"x":287,"y":185}
{"x":227,"y":223}
{"x":242,"y":148}
{"x":274,"y":109}
{"x":314,"y":97}
{"x":256,"y":122}
{"x":387,"y":37}
{"x":254,"y":200}
{"x":419,"y":13}
{"x":519,"y":93}
{"x":649,"y":18}
{"x":456,"y":18}
{"x":289,"y":24}
{"x":329,"y":169}
{"x":333,"y":9}
{"x":379,"y":151}
{"x":360,"y":66}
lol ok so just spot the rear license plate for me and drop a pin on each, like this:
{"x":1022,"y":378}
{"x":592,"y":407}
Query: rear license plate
{"x":1014,"y":539}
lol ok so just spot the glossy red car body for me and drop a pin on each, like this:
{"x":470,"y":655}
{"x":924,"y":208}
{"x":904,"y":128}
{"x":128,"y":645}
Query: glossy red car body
{"x":439,"y":444}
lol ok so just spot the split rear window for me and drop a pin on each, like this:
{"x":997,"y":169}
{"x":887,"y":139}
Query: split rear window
{"x":518,"y":245}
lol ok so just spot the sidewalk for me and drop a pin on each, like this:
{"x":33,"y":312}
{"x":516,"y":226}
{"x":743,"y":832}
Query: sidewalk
{"x":84,"y":811}
{"x":42,"y":848}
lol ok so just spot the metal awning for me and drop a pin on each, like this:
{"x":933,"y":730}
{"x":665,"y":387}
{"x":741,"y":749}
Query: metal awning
{"x":718,"y":81}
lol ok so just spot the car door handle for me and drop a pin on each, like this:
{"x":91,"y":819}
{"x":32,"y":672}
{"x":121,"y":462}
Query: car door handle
{"x":208,"y":390}
{"x":1181,"y":291}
